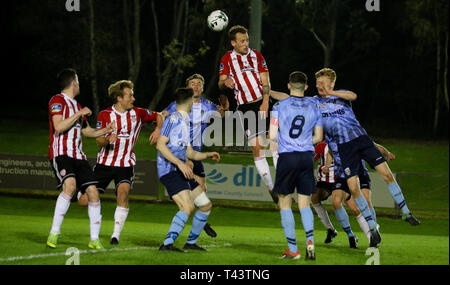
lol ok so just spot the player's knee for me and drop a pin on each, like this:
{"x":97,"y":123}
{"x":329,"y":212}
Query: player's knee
{"x":83,"y":200}
{"x":315,"y":198}
{"x":206,"y":208}
{"x":337,"y":203}
{"x":92,"y":194}
{"x":70,"y":186}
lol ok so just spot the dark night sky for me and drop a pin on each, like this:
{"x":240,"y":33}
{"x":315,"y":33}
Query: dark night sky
{"x":372,"y":56}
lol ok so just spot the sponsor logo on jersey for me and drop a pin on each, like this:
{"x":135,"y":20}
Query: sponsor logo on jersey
{"x":56,"y":108}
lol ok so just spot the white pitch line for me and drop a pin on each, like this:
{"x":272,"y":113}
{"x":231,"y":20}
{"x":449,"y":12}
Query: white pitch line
{"x":34,"y":256}
{"x":64,"y":253}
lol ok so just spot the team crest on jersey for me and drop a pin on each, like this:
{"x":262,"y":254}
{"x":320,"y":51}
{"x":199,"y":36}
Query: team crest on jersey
{"x":133,"y":118}
{"x":347,"y":171}
{"x":63,"y":172}
{"x":56,"y":108}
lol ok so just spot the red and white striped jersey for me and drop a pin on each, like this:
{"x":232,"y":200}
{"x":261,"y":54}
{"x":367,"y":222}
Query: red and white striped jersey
{"x":128,"y":125}
{"x":68,"y":142}
{"x":321,"y":151}
{"x":245,"y":71}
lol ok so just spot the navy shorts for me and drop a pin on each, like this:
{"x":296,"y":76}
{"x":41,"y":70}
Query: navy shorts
{"x":65,"y":167}
{"x":328,"y":187}
{"x":198,"y":170}
{"x":353,"y":151}
{"x":364,"y":182}
{"x":175,"y":182}
{"x":105,"y":174}
{"x":341,"y":184}
{"x":295,"y":170}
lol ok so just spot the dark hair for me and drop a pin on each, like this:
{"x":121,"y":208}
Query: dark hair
{"x":298,"y":80}
{"x":65,"y":77}
{"x":236,"y":29}
{"x":183,"y":94}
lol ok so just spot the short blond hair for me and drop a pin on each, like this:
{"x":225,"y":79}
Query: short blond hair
{"x":195,"y":76}
{"x":116,"y":89}
{"x":327,"y":72}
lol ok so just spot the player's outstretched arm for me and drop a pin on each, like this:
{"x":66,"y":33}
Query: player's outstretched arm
{"x":95,"y":133}
{"x":387,"y":154}
{"x":318,"y":135}
{"x":159,"y":122}
{"x":161,"y":146}
{"x":278,"y":95}
{"x":195,"y":155}
{"x":346,"y":95}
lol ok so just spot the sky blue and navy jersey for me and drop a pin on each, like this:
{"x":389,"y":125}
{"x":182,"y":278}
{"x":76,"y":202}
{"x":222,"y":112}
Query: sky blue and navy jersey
{"x":339,"y":121}
{"x":339,"y":172}
{"x":297,"y":117}
{"x":177,"y":130}
{"x":198,"y":120}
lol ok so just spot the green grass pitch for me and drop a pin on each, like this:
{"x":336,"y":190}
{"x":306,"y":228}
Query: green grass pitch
{"x":245,"y":237}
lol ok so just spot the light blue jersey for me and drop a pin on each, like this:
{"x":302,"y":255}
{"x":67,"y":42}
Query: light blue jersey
{"x":338,"y":171}
{"x":339,"y":121}
{"x":198,"y":118}
{"x":177,"y":130}
{"x":297,"y":117}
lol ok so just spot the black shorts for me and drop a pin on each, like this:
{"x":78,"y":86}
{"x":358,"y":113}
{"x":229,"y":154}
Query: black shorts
{"x":353,"y":151}
{"x":295,"y":170}
{"x":364,"y":182}
{"x":198,"y":170}
{"x":65,"y":167}
{"x":256,"y":127}
{"x":105,"y":174}
{"x":328,"y":187}
{"x":341,"y":184}
{"x":175,"y":182}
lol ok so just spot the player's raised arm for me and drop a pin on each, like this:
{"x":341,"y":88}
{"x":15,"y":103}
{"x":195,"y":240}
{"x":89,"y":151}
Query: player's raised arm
{"x":347,"y":94}
{"x":63,"y":125}
{"x":278,"y":95}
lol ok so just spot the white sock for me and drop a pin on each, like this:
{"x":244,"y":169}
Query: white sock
{"x":364,"y":225}
{"x":62,"y":205}
{"x":264,"y":171}
{"x":323,"y":216}
{"x":120,"y":216}
{"x":95,"y":219}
